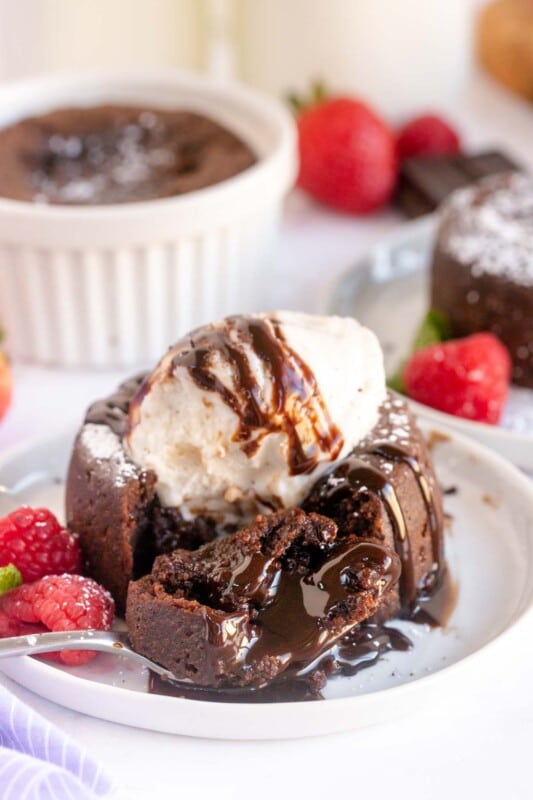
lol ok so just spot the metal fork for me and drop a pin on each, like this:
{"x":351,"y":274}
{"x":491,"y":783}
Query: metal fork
{"x":114,"y":642}
{"x":105,"y":641}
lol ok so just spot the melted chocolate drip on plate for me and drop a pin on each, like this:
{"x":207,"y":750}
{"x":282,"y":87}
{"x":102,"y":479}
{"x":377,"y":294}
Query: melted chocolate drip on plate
{"x":359,"y":649}
{"x":356,"y":650}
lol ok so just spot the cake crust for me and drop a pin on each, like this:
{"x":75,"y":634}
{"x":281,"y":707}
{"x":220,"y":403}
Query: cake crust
{"x":113,"y":505}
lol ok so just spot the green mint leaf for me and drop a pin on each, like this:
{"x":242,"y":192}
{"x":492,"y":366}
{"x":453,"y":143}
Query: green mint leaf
{"x":433,"y":329}
{"x":10,"y":578}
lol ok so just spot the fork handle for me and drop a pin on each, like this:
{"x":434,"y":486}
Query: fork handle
{"x":35,"y":643}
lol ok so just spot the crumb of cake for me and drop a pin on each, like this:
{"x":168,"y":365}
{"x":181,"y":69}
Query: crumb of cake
{"x":435,"y":438}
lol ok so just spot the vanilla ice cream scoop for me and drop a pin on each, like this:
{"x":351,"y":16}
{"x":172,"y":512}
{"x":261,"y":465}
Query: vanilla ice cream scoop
{"x":242,"y":416}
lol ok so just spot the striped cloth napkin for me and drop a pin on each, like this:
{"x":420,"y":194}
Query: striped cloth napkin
{"x":39,"y":762}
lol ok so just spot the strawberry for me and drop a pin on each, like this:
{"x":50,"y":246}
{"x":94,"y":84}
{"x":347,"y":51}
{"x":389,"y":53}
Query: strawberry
{"x":427,"y":135}
{"x":6,"y":385}
{"x":464,"y":377}
{"x":347,"y":155}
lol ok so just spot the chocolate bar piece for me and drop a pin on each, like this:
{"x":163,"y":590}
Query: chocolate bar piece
{"x":425,"y":181}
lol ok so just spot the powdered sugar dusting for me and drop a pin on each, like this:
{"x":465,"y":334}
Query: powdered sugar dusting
{"x":104,"y":445}
{"x":490,"y":227}
{"x":396,"y":424}
{"x":132,"y":157}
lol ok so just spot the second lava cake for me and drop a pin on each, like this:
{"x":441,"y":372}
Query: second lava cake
{"x":482,"y":270}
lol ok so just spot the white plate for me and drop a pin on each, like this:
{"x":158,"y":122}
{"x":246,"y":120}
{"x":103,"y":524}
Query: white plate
{"x":388,"y":290}
{"x":490,"y":554}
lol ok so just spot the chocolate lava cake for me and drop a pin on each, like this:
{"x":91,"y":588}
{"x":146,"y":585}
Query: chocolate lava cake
{"x":222,"y":601}
{"x":482,"y":271}
{"x":116,"y":154}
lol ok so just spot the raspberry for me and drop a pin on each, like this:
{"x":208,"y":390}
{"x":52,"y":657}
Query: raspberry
{"x":58,"y":603}
{"x":35,"y":543}
{"x":464,"y":377}
{"x":427,"y":135}
{"x":347,"y":155}
{"x":14,"y":627}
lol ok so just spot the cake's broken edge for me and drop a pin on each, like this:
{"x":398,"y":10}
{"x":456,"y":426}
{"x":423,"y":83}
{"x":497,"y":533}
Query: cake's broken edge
{"x":200,"y":618}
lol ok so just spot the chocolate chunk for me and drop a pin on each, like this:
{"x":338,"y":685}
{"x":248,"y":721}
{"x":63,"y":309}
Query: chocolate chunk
{"x":426,"y":181}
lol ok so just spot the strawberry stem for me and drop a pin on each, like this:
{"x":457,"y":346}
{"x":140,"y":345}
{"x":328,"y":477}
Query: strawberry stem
{"x":317,"y":95}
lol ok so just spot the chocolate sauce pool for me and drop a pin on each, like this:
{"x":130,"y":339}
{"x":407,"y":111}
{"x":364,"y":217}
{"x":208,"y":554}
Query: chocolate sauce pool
{"x":359,"y":649}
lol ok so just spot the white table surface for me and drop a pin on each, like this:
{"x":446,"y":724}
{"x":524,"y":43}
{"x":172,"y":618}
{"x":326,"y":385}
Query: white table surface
{"x":474,"y":740}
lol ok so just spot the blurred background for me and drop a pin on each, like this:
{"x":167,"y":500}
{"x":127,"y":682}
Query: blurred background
{"x":400,"y":55}
{"x":468,"y":61}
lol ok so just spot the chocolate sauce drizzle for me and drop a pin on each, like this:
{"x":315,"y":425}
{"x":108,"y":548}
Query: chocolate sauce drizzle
{"x":293,"y":405}
{"x":356,"y":476}
{"x":113,"y":410}
{"x":395,"y":452}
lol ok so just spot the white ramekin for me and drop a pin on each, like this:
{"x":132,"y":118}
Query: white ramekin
{"x":114,"y":285}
